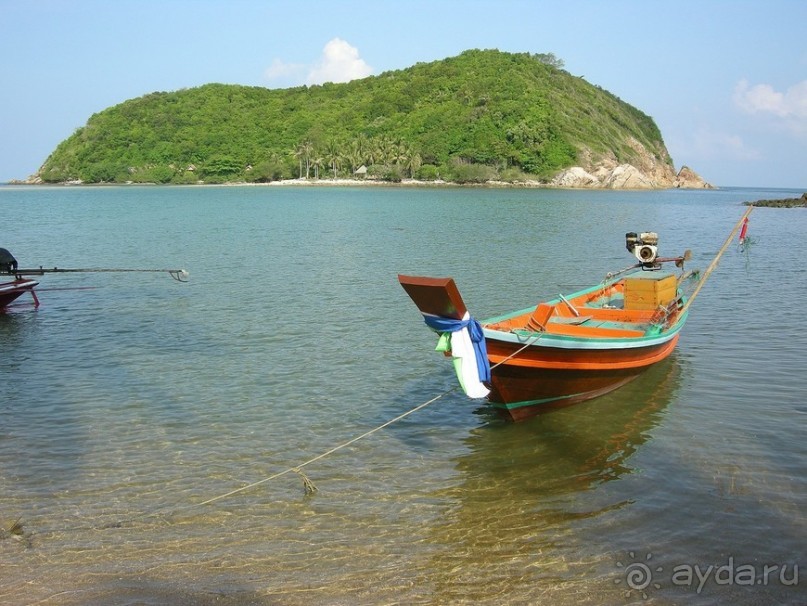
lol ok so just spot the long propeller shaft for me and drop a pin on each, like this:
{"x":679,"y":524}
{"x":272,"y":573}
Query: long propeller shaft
{"x":180,"y":275}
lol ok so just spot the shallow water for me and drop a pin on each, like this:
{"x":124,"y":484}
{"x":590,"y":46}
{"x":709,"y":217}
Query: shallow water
{"x":130,"y":399}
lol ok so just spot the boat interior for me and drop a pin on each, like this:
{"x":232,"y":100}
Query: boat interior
{"x":598,"y":313}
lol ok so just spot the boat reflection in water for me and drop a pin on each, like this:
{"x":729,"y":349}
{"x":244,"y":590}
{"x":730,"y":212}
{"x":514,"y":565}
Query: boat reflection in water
{"x":525,"y":488}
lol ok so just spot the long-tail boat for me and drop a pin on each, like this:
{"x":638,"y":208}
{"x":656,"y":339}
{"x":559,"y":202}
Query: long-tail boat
{"x":11,"y":291}
{"x":19,"y":285}
{"x":569,"y":348}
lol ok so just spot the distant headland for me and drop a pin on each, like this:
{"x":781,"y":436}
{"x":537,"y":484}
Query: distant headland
{"x":484,"y":117}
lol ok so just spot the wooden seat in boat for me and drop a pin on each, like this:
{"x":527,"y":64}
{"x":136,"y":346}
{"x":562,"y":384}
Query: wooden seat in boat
{"x":545,"y":313}
{"x":540,"y":317}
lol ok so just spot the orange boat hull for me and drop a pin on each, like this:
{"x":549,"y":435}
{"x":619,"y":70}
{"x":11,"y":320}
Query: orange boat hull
{"x":544,"y":378}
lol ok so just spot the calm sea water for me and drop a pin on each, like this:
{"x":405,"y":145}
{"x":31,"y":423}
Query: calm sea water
{"x":129,"y":399}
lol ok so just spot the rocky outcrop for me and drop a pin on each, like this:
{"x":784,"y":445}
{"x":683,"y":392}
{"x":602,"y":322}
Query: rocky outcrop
{"x":689,"y":179}
{"x":624,"y":176}
{"x":782,"y":203}
{"x":627,"y":176}
{"x":576,"y":176}
{"x":646,"y":170}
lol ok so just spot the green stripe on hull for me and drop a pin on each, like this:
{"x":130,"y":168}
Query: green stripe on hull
{"x":516,"y":405}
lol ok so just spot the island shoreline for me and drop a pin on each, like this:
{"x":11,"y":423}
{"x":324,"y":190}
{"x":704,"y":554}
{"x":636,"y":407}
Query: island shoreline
{"x":414,"y":183}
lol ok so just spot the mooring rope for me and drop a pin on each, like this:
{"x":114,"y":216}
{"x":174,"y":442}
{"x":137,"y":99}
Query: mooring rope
{"x":308,"y":485}
{"x":17,"y":528}
{"x":716,"y":260}
{"x":530,"y":341}
{"x":296,"y":468}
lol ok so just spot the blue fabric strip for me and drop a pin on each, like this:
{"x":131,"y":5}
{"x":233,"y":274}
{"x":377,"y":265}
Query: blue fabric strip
{"x":441,"y":324}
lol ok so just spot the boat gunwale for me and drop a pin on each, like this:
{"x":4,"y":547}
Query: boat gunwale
{"x":572,"y":342}
{"x":566,"y":341}
{"x":23,"y":285}
{"x":553,"y":301}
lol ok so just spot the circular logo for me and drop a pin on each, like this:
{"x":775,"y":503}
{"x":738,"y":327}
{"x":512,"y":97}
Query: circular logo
{"x":638,"y":576}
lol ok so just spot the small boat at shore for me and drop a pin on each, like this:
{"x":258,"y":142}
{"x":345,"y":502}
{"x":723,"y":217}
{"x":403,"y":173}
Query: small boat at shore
{"x":11,"y":291}
{"x":570,"y":348}
{"x":19,"y":285}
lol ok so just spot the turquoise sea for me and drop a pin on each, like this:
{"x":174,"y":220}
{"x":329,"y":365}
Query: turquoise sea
{"x":130,"y":403}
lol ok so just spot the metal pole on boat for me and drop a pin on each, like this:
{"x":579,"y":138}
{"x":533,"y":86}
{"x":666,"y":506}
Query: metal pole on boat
{"x":715,"y":261}
{"x":180,"y":275}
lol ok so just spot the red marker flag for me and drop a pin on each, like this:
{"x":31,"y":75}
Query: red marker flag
{"x":743,"y":231}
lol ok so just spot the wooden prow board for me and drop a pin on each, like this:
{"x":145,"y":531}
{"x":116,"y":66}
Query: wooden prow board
{"x":435,"y":296}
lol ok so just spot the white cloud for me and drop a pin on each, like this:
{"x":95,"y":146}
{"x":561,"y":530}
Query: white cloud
{"x":340,"y":62}
{"x":278,"y":69}
{"x":789,"y":106}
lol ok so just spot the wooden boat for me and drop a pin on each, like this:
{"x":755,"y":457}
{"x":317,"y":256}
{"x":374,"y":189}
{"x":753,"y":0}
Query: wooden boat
{"x":570,"y":348}
{"x":19,"y":285}
{"x":11,"y":291}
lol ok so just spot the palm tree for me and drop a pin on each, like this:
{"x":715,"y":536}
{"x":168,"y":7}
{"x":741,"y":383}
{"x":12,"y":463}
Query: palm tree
{"x":304,"y":151}
{"x":414,"y":163}
{"x":333,"y":155}
{"x":374,"y":153}
{"x":354,"y":159}
{"x":400,"y":152}
{"x":298,"y":153}
{"x":361,"y":148}
{"x":385,"y":150}
{"x":317,"y":163}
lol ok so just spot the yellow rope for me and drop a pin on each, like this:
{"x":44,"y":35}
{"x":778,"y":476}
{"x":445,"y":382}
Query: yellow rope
{"x":714,"y":262}
{"x":296,"y":469}
{"x":309,"y":486}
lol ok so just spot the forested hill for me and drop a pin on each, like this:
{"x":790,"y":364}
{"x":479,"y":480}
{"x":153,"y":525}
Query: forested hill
{"x":479,"y":116}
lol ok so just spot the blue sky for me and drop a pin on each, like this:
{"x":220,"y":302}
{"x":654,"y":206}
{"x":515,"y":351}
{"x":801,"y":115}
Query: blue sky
{"x":726,"y":81}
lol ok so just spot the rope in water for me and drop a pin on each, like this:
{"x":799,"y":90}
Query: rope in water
{"x":309,"y":486}
{"x":296,"y":469}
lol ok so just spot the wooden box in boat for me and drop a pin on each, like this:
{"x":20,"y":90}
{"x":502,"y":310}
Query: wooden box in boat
{"x":650,"y":290}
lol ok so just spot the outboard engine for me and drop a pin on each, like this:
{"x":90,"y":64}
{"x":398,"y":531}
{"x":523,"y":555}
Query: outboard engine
{"x":8,"y":263}
{"x":644,"y":247}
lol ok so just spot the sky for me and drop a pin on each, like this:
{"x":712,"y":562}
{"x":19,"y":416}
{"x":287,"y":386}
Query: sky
{"x":724,"y":80}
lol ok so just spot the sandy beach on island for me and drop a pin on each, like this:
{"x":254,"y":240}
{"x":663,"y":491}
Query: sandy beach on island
{"x":403,"y":182}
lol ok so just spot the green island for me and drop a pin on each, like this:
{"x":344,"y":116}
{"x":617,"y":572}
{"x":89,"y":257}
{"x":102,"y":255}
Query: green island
{"x":479,"y":117}
{"x":800,"y":202}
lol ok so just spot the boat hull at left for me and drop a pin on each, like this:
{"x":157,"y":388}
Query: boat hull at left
{"x":11,"y":291}
{"x":19,"y":284}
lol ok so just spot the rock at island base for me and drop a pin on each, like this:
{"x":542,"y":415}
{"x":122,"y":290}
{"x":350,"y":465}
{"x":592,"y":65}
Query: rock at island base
{"x":689,"y":179}
{"x":626,"y":176}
